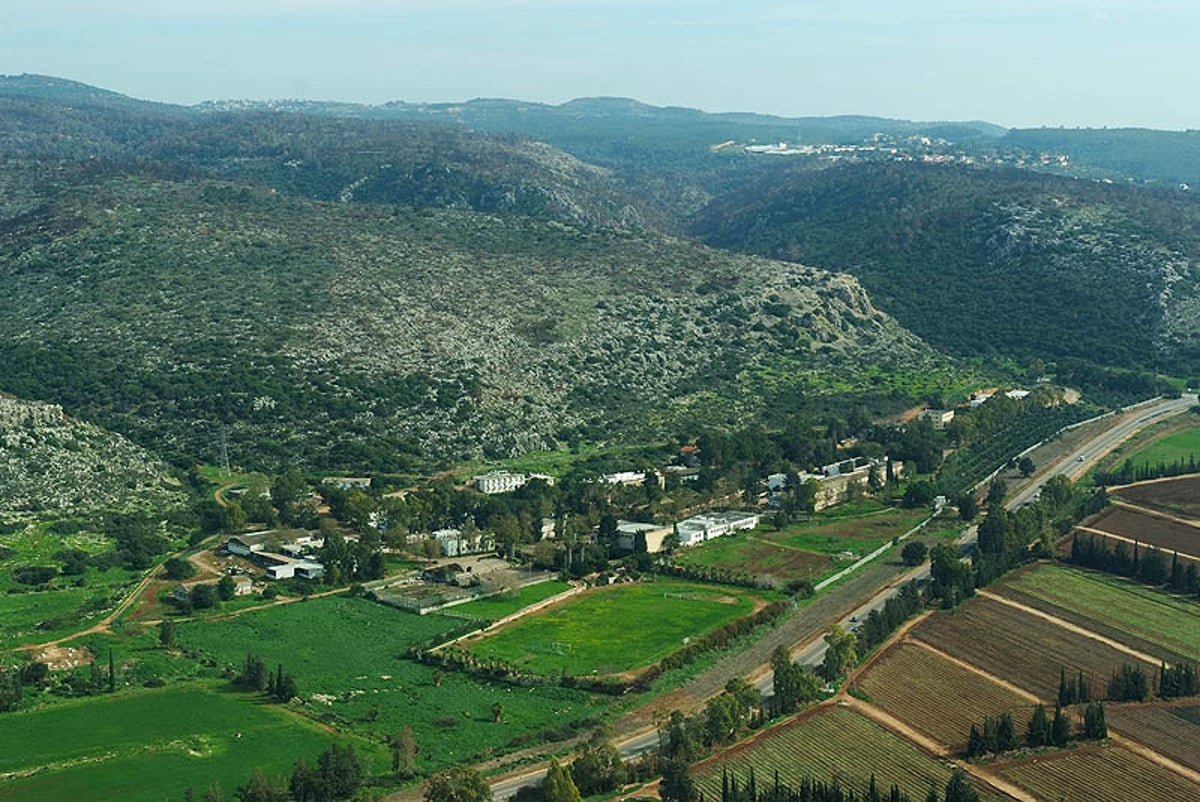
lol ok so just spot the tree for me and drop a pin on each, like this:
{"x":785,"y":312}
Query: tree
{"x":112,"y":673}
{"x":997,"y":490}
{"x":558,"y":786}
{"x":166,"y":634}
{"x":341,"y":771}
{"x":959,"y":790}
{"x":793,"y":685}
{"x":914,"y":552}
{"x":1094,"y":726}
{"x":259,"y":789}
{"x":840,"y":653}
{"x":1038,"y":732}
{"x":1026,"y":467}
{"x":226,"y":588}
{"x":458,"y":784}
{"x":677,"y":784}
{"x":178,"y":569}
{"x":968,"y":507}
{"x":1060,"y":728}
{"x":204,"y":597}
{"x":497,"y":712}
{"x":598,"y":767}
{"x":919,"y":494}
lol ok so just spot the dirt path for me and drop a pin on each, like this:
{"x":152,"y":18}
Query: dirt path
{"x":1067,"y":625}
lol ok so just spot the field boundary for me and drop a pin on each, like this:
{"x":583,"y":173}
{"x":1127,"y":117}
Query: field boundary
{"x":1091,"y":530}
{"x":1123,"y":504}
{"x":1003,"y":683}
{"x":1157,"y":758}
{"x":923,"y":742}
{"x":1067,"y":625}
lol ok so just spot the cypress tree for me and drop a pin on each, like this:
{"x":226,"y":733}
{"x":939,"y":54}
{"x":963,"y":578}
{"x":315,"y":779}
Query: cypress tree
{"x":1060,"y":728}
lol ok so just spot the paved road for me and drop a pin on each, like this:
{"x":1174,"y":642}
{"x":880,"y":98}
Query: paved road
{"x":804,"y":633}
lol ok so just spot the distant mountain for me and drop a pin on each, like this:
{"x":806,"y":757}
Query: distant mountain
{"x":381,"y":337}
{"x":55,"y":134}
{"x":985,"y":261}
{"x":1123,"y":154}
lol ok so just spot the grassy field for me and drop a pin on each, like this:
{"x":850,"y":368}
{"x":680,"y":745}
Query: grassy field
{"x":615,"y":629}
{"x":348,"y":656}
{"x":152,"y":745}
{"x":1145,"y":613}
{"x":831,"y":743}
{"x":496,"y":607}
{"x":1182,"y":445}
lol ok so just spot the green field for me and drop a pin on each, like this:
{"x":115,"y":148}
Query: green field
{"x":152,"y":745}
{"x":832,"y":743}
{"x":494,"y":608}
{"x":348,"y":656}
{"x":615,"y":629}
{"x":1176,"y":447}
{"x":1143,"y":612}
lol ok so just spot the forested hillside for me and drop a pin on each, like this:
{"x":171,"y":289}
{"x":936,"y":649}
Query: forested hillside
{"x":991,"y":262}
{"x":48,"y":127}
{"x":360,"y":336}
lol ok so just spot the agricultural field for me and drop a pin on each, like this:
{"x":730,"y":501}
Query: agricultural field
{"x":348,"y":656}
{"x":1168,"y":730}
{"x":1149,"y":530}
{"x":1179,"y":496}
{"x":152,"y":745}
{"x":1020,"y":648}
{"x":748,"y":553}
{"x":1179,"y":446}
{"x":807,"y":549}
{"x":615,"y":629}
{"x":1113,"y":607}
{"x":935,"y":696}
{"x":494,"y":608}
{"x":1104,"y":774}
{"x":831,"y":742}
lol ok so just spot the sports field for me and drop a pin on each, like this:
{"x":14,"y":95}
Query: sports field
{"x":152,"y":745}
{"x":615,"y":629}
{"x":494,"y":608}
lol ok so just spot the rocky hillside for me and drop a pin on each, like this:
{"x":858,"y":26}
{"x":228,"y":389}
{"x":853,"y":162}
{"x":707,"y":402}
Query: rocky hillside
{"x":50,"y":462}
{"x":362,"y":336}
{"x":985,"y":261}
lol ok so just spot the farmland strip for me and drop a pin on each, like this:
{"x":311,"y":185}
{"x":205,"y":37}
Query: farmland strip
{"x":1024,"y":694}
{"x":1078,"y":630}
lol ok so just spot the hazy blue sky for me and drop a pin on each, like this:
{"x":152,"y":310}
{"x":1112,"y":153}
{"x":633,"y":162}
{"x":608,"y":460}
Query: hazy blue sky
{"x":1014,"y":62}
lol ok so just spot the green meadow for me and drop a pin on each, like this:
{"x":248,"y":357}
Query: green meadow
{"x":153,"y":744}
{"x":349,"y":657}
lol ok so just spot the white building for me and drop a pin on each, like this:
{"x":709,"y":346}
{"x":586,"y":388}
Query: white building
{"x":499,"y":482}
{"x":700,"y":528}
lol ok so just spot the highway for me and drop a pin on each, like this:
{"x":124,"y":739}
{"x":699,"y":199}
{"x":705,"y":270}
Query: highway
{"x":811,"y":653}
